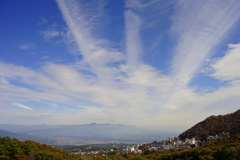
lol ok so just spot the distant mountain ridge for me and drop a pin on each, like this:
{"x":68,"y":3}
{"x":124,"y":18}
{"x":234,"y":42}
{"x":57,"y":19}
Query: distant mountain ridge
{"x":214,"y":125}
{"x":4,"y":133}
{"x":23,"y":137}
{"x":89,"y":133}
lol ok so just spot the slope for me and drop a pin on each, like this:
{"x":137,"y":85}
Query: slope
{"x":214,"y":125}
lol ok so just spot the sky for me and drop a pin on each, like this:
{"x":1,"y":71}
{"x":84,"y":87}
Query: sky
{"x":159,"y":64}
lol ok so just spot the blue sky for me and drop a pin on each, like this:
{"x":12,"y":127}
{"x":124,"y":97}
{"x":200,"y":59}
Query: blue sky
{"x":154,"y":64}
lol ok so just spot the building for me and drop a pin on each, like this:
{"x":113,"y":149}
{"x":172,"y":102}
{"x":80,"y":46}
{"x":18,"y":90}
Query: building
{"x":212,"y":139}
{"x":157,"y":144}
{"x":224,"y":135}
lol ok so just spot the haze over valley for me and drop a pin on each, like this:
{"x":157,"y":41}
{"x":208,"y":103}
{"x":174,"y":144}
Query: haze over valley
{"x":83,"y":134}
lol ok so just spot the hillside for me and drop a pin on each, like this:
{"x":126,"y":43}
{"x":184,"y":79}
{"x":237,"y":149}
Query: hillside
{"x":4,"y":133}
{"x":15,"y":149}
{"x":225,"y":149}
{"x":214,"y":125}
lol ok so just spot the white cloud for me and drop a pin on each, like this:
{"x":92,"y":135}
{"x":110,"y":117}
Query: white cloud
{"x":27,"y":46}
{"x":43,"y":21}
{"x":227,"y":68}
{"x":3,"y":80}
{"x":63,"y":84}
{"x":54,"y":105}
{"x":200,"y":26}
{"x":51,"y":33}
{"x":141,"y":97}
{"x":133,"y":40}
{"x":22,"y":106}
{"x":90,"y":47}
{"x":134,"y":4}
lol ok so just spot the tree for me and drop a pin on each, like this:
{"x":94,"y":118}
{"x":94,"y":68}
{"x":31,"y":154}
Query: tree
{"x":45,"y":156}
{"x":27,"y":148}
{"x":14,"y":150}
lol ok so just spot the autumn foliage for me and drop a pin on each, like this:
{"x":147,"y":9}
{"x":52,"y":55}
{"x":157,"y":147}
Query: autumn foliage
{"x":214,"y":125}
{"x":29,"y":150}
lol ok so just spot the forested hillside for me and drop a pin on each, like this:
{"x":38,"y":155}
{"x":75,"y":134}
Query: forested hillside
{"x":214,"y":125}
{"x":29,"y":150}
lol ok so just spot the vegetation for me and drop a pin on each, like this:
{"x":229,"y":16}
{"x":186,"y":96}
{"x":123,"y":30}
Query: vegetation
{"x":214,"y":125}
{"x":28,"y":150}
{"x":223,"y":149}
{"x":92,"y":147}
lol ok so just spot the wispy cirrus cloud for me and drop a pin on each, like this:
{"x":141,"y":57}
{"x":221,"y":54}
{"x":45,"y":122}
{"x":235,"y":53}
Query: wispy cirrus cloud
{"x":51,"y":33}
{"x":43,"y":21}
{"x":140,"y":94}
{"x":63,"y":84}
{"x":27,"y":46}
{"x":133,"y":39}
{"x":200,"y":26}
{"x":82,"y":25}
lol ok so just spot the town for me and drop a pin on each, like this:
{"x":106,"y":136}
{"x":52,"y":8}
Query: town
{"x":168,"y":144}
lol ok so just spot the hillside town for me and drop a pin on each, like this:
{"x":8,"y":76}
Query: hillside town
{"x":168,"y":144}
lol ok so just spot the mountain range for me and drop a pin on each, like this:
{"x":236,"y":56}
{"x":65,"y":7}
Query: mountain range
{"x":23,"y":137}
{"x":86,"y":134}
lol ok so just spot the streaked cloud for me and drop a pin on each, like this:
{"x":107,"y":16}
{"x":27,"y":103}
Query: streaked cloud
{"x":22,"y":106}
{"x":54,"y":105}
{"x":133,"y":40}
{"x":200,"y":26}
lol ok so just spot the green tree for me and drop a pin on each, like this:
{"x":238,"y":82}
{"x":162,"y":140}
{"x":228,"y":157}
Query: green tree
{"x":27,"y":148}
{"x":229,"y":152}
{"x":14,"y":150}
{"x":45,"y":156}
